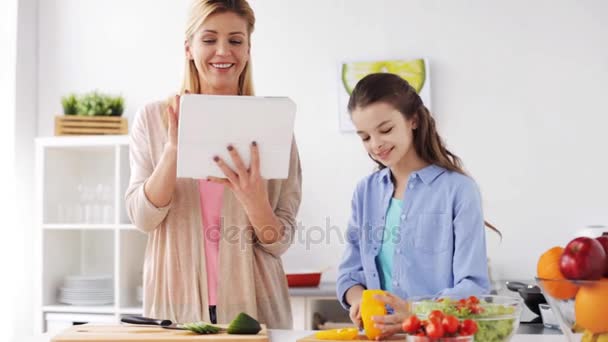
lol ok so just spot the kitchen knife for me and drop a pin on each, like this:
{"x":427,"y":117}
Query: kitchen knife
{"x":163,"y":323}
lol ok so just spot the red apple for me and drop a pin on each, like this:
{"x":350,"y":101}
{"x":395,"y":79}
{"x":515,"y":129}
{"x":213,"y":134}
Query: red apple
{"x":604,"y":241}
{"x":583,"y":259}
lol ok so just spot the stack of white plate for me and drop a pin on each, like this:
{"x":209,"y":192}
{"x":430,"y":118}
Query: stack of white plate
{"x":87,"y":290}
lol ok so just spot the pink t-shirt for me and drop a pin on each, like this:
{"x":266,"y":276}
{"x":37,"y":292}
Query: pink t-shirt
{"x":211,"y":195}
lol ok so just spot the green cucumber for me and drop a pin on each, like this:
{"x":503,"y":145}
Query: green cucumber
{"x":244,"y":324}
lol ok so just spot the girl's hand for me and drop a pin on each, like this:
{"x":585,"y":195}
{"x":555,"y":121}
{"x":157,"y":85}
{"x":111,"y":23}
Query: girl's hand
{"x":247,"y":184}
{"x":391,"y":324}
{"x":355,"y":314}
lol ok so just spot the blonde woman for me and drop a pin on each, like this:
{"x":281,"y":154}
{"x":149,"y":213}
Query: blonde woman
{"x":214,"y":246}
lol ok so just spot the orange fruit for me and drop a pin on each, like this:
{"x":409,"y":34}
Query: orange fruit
{"x":591,"y":306}
{"x":548,"y":268}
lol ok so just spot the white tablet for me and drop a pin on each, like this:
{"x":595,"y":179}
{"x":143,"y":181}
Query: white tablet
{"x":209,"y":123}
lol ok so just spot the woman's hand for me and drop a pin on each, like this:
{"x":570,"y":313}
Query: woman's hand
{"x":172,"y":122}
{"x":391,"y":324}
{"x":247,"y":184}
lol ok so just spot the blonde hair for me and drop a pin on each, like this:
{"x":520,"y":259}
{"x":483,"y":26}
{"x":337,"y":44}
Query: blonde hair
{"x":199,"y":11}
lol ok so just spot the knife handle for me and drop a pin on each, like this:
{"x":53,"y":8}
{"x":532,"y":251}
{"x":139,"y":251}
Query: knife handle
{"x":145,"y":321}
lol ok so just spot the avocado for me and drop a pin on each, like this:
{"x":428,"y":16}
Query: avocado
{"x":244,"y":324}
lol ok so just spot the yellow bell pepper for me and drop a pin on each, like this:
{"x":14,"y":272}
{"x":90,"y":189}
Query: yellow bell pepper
{"x":343,"y":334}
{"x":371,"y":307}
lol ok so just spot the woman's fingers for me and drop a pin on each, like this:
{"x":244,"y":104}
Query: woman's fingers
{"x":177,"y":105}
{"x":222,"y":181}
{"x":172,"y":126}
{"x":255,"y":159}
{"x":231,"y":175}
{"x":241,"y":169}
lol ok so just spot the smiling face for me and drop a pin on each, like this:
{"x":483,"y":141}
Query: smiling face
{"x":386,"y":134}
{"x":220,"y":51}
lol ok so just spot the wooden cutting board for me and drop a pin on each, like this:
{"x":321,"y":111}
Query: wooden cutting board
{"x":120,"y":333}
{"x":311,"y":338}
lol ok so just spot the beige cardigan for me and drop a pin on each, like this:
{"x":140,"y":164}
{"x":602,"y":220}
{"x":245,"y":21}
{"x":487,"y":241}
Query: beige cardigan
{"x":251,"y":276}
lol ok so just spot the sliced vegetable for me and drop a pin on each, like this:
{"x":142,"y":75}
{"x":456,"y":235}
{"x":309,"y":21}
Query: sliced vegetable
{"x":201,"y":328}
{"x":344,"y":334}
{"x":244,"y":324}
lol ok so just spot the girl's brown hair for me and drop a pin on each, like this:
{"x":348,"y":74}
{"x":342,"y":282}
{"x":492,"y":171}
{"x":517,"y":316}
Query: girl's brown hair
{"x":397,"y":92}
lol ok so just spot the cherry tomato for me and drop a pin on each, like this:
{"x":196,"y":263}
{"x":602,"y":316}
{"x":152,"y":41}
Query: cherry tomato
{"x":411,"y":324}
{"x":434,"y":330}
{"x":450,"y":324}
{"x":468,"y":327}
{"x":436,"y":315}
{"x":473,"y":300}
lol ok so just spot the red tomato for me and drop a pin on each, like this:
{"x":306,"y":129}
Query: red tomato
{"x":476,"y":309}
{"x":473,"y":300}
{"x":434,"y":330}
{"x":411,"y":324}
{"x":435,"y":315}
{"x":450,"y":324}
{"x":468,"y":327}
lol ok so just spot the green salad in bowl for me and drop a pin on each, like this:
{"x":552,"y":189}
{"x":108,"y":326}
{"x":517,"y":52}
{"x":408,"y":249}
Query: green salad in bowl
{"x":497,"y":317}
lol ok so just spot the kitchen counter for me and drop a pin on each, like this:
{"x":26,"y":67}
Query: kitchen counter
{"x":293,"y":335}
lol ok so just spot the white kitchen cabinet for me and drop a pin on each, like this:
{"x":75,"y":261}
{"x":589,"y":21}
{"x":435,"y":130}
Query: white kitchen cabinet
{"x":306,"y":302}
{"x":83,"y":228}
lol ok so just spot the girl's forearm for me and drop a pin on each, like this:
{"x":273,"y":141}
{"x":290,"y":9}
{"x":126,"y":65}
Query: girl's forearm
{"x":354,"y":294}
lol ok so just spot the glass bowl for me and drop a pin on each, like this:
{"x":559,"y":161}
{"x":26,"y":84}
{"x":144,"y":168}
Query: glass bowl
{"x":580,"y":306}
{"x":497,"y":323}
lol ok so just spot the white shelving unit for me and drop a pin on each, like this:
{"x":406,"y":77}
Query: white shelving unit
{"x":83,"y":228}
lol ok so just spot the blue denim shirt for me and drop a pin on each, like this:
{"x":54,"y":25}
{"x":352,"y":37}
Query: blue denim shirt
{"x":441,"y":248}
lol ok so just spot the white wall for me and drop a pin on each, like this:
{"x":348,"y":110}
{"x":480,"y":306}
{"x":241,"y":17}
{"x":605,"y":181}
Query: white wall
{"x":12,"y":243}
{"x":517,"y":92}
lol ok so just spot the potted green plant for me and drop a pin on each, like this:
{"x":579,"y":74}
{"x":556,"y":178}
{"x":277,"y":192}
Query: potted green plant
{"x":91,"y":113}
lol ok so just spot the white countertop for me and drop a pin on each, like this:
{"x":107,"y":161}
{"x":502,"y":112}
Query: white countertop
{"x":293,"y":335}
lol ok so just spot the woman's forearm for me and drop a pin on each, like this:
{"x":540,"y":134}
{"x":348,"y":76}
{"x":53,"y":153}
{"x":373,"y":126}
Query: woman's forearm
{"x":160,"y":186}
{"x":267,"y":226}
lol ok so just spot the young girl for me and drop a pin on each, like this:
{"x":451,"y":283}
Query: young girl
{"x":417,"y":226}
{"x":214,"y":247}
